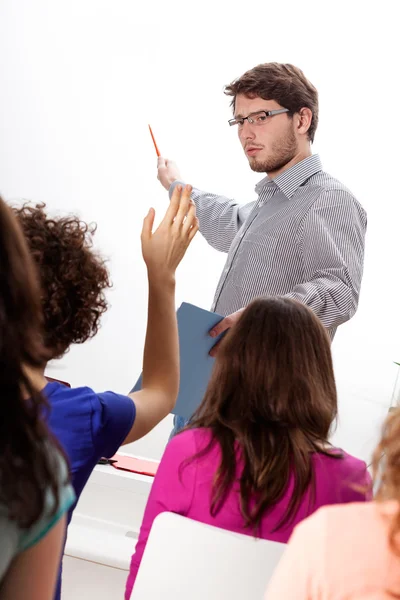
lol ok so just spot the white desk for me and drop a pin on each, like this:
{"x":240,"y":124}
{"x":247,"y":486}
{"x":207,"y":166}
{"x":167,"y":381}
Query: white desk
{"x":102,"y":534}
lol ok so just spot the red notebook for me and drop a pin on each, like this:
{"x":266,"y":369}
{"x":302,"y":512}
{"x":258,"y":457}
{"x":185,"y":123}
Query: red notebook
{"x":135,"y":465}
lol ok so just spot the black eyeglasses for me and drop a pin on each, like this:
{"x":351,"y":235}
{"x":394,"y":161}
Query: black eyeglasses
{"x":258,"y":118}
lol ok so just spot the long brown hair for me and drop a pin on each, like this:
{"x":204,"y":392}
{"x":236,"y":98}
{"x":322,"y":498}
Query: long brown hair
{"x":273,"y":393}
{"x":284,"y":83}
{"x":28,"y":467}
{"x":386,"y":471}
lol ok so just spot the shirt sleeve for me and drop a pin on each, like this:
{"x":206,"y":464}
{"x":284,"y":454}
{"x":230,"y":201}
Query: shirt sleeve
{"x":50,"y":517}
{"x":172,"y":491}
{"x":113,"y":416}
{"x":220,"y":218}
{"x":331,"y":238}
{"x":301,"y":565}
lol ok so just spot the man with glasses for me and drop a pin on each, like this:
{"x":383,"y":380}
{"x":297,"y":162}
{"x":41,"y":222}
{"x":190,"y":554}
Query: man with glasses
{"x":303,"y":237}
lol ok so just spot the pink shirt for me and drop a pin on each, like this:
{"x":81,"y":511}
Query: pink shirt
{"x":187,"y":491}
{"x":341,"y":552}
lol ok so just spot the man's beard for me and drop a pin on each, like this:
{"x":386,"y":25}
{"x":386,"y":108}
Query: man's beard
{"x":282,"y":152}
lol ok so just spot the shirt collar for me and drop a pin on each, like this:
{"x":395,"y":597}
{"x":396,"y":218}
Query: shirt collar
{"x":291,"y":179}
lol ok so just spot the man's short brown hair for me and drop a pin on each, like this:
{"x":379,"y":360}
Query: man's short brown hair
{"x":72,"y":276}
{"x":284,"y":83}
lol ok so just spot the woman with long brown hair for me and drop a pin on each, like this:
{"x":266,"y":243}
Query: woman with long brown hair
{"x":256,"y":457}
{"x":350,"y":551}
{"x":34,"y":489}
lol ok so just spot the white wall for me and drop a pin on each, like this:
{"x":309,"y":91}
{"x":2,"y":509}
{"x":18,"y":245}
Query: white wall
{"x":80,"y":80}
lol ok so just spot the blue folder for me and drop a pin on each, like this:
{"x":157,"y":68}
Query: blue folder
{"x":195,"y":343}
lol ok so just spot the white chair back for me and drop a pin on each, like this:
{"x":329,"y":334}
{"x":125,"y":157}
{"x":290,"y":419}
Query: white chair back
{"x":188,"y":560}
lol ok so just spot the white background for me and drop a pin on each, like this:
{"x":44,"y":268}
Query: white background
{"x":80,"y":80}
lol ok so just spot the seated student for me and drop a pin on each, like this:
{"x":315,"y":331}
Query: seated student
{"x":349,"y":551}
{"x":256,"y":459}
{"x":34,"y":490}
{"x":90,"y":425}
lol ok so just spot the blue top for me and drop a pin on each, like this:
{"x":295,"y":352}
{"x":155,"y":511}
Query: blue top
{"x":88,"y":426}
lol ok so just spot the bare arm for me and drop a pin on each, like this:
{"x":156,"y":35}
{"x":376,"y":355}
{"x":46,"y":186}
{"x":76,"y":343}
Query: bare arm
{"x":33,"y":574}
{"x":162,"y":252}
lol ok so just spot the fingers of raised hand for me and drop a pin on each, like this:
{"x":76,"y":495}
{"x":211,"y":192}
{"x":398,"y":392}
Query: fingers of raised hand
{"x":184,"y":205}
{"x":173,"y":205}
{"x":190,"y":219}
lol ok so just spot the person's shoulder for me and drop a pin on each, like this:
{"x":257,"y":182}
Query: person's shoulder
{"x":345,"y":512}
{"x":194,"y":440}
{"x":335,"y":519}
{"x":68,"y":402}
{"x":55,"y":391}
{"x":56,"y":504}
{"x":345,"y":456}
{"x":348,"y":462}
{"x":187,"y":437}
{"x":347,"y":520}
{"x":349,"y":539}
{"x":342,"y":478}
{"x":334,"y":191}
{"x":343,"y":463}
{"x":329,"y":183}
{"x":84,"y":400}
{"x":359,"y":529}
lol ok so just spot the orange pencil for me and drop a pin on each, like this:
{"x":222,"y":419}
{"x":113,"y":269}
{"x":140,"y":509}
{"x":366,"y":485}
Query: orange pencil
{"x":154,"y":142}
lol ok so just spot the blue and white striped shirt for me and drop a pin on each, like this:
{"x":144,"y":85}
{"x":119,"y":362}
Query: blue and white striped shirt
{"x":302,"y":238}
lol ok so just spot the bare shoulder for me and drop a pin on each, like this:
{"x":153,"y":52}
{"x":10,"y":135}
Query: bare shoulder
{"x":351,"y":521}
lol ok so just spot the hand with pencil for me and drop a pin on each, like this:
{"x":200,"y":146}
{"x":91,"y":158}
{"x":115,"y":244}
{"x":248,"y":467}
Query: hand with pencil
{"x":167,"y":171}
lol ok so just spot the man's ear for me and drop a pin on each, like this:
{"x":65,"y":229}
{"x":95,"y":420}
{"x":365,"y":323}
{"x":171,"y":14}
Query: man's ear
{"x":304,"y":118}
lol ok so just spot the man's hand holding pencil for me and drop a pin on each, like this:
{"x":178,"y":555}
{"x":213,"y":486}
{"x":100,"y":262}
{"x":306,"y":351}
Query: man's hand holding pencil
{"x":167,"y":170}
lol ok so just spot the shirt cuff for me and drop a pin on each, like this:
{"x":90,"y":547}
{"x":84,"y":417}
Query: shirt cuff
{"x":173,"y":186}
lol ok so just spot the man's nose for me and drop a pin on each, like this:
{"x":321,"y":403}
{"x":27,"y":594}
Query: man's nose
{"x":247,"y":131}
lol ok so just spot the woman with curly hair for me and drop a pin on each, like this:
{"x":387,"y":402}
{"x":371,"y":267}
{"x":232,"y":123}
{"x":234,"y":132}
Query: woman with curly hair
{"x":92,"y":425}
{"x":35,"y":493}
{"x":353,"y":551}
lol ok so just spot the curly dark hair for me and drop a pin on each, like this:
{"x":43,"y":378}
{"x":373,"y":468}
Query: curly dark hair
{"x":73,"y":277}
